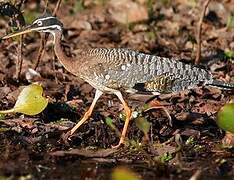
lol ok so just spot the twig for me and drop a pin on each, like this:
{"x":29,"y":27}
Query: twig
{"x":17,"y":19}
{"x":196,"y":175}
{"x":57,"y":7}
{"x":20,"y":45}
{"x":41,"y":50}
{"x":42,"y":42}
{"x":19,"y":5}
{"x":46,"y":5}
{"x":19,"y":58}
{"x":198,"y":55}
{"x":45,"y":37}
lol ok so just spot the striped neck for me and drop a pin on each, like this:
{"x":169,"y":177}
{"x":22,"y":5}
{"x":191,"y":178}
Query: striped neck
{"x":67,"y":62}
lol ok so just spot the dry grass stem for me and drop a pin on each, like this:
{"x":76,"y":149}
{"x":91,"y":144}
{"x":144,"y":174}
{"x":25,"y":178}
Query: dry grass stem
{"x":199,"y":29}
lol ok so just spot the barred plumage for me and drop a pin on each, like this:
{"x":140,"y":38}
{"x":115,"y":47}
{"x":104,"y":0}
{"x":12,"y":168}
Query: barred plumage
{"x":139,"y":72}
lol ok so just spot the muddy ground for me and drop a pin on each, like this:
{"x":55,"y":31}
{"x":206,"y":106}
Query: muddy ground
{"x":31,"y":147}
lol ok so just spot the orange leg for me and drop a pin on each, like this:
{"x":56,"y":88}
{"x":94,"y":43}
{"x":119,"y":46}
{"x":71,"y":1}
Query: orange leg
{"x":128,"y":116}
{"x":157,"y":105}
{"x":86,"y":115}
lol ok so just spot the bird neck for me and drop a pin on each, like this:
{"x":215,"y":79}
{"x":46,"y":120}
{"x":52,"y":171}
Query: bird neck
{"x":66,"y":61}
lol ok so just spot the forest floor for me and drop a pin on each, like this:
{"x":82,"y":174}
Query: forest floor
{"x":31,"y":146}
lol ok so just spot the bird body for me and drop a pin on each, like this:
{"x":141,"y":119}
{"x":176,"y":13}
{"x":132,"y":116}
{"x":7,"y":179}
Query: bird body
{"x":132,"y":71}
{"x":136,"y":71}
{"x":115,"y":70}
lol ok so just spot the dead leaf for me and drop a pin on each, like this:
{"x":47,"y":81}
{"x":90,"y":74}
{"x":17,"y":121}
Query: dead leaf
{"x":86,"y":152}
{"x":228,"y":139}
{"x":125,"y":11}
{"x":4,"y":91}
{"x":27,"y":123}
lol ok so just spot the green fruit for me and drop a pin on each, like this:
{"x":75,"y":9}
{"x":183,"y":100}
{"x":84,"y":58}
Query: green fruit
{"x":226,"y":118}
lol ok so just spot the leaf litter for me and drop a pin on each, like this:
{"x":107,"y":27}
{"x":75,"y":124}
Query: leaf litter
{"x":28,"y":143}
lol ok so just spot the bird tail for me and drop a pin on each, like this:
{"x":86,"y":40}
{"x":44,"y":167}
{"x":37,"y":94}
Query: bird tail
{"x":220,"y":84}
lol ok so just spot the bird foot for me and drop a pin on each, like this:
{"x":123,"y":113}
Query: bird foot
{"x":65,"y":137}
{"x":157,"y":105}
{"x":121,"y":143}
{"x":117,"y":146}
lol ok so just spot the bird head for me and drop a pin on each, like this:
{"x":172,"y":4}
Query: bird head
{"x":44,"y":23}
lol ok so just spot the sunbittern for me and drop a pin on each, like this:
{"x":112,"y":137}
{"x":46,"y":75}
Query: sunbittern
{"x":113,"y":70}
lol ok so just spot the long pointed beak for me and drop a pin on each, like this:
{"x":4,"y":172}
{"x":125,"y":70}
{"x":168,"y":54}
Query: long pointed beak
{"x":25,"y":30}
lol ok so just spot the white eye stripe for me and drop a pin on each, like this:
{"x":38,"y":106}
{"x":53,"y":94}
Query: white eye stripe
{"x":47,"y":27}
{"x":41,"y":19}
{"x":56,"y":27}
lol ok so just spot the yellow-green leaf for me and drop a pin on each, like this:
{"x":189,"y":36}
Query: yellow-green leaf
{"x":143,"y":125}
{"x":123,"y":173}
{"x":229,"y":54}
{"x":226,"y":118}
{"x":30,"y":101}
{"x":109,"y":122}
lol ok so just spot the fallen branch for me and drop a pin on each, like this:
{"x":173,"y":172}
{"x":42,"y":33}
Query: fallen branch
{"x":198,"y":55}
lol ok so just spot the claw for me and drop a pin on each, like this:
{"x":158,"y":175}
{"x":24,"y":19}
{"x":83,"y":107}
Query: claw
{"x":66,"y":137}
{"x":157,"y":105}
{"x":121,"y":143}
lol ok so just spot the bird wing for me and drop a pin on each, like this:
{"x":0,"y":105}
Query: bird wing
{"x":131,"y":70}
{"x":161,"y":83}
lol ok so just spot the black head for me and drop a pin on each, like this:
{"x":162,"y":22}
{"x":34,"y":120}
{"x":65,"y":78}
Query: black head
{"x":44,"y":23}
{"x":47,"y":23}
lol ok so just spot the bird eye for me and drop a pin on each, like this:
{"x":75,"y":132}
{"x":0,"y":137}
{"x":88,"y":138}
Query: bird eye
{"x":39,"y":23}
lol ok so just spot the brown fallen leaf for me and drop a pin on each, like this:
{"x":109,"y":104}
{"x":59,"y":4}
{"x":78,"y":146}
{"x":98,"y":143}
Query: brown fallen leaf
{"x":125,"y":11}
{"x":86,"y":152}
{"x":189,"y":116}
{"x":164,"y":148}
{"x":27,"y":123}
{"x":228,"y":139}
{"x":191,"y":132}
{"x":208,"y":107}
{"x":4,"y":91}
{"x":62,"y":126}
